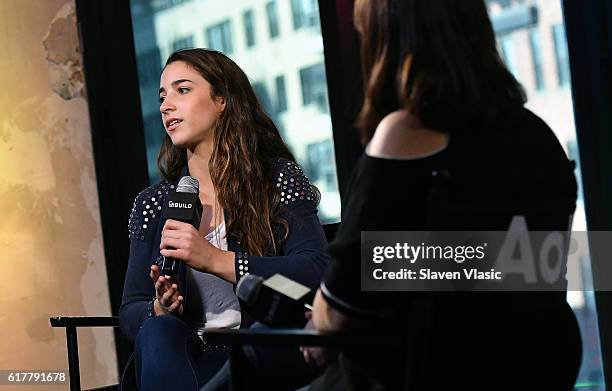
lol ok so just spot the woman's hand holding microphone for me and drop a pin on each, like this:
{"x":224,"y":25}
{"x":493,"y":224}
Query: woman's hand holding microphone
{"x":183,"y":241}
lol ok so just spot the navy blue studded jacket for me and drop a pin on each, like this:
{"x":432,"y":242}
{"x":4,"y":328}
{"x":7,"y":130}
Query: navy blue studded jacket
{"x":302,"y":256}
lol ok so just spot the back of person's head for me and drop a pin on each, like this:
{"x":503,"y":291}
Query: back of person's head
{"x":245,"y":142}
{"x":438,"y":58}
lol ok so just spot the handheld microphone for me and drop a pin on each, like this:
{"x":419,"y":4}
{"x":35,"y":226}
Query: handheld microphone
{"x":183,"y":205}
{"x":276,"y":301}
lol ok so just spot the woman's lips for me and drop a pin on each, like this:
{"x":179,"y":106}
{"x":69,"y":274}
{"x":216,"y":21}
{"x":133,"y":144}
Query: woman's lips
{"x":174,"y":125}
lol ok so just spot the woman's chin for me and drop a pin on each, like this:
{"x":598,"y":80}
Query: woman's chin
{"x":179,"y":141}
{"x":184,"y":144}
{"x":178,"y":144}
{"x":190,"y":143}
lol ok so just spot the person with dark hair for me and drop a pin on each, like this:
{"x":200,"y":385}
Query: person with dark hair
{"x":441,"y":111}
{"x":259,"y":216}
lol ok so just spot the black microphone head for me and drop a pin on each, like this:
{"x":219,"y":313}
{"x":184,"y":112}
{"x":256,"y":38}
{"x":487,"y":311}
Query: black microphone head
{"x":275,"y":301}
{"x":188,"y":184}
{"x":248,"y":288}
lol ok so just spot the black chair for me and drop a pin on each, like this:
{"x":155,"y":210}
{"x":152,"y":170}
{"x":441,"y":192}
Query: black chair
{"x":235,"y":338}
{"x":72,"y":323}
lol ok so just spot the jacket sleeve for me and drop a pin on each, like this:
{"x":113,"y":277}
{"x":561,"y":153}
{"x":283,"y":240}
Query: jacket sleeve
{"x":303,"y":258}
{"x":138,"y":290}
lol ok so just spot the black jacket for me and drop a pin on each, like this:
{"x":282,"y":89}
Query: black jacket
{"x":301,"y":258}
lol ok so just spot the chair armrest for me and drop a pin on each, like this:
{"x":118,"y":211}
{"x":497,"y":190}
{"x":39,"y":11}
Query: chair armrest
{"x":302,"y":337}
{"x":71,"y":323}
{"x":84,"y":321}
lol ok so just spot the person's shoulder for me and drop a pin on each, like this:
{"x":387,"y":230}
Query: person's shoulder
{"x":283,"y":167}
{"x":401,"y":135}
{"x":532,"y":134}
{"x":147,"y":209}
{"x":531,"y":123}
{"x":154,"y":192}
{"x":292,"y":183}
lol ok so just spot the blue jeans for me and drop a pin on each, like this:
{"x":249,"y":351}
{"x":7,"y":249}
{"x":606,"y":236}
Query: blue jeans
{"x":170,"y":356}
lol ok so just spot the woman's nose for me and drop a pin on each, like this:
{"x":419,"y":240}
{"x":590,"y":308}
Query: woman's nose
{"x":166,"y":106}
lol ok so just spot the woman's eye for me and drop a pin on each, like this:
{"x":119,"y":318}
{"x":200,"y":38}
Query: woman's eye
{"x":161,"y":99}
{"x":182,"y":90}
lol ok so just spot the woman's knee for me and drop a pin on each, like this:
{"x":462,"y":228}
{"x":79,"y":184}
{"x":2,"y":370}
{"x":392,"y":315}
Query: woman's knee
{"x":166,"y":347}
{"x":161,"y":331}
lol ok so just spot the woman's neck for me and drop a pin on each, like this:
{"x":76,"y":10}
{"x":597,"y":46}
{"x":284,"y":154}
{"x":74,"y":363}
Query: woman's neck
{"x":198,"y":163}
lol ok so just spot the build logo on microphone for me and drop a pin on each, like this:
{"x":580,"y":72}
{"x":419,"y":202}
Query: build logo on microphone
{"x":181,"y":205}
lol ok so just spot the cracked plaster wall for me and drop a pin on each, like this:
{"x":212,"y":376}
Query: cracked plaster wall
{"x":50,"y":233}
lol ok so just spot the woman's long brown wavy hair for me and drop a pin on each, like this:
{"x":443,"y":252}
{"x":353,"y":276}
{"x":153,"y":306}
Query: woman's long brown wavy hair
{"x":246,"y":141}
{"x":436,"y":58}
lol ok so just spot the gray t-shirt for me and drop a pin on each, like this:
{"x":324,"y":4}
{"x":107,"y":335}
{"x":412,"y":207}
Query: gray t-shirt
{"x":212,"y":302}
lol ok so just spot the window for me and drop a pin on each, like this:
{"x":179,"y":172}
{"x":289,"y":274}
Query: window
{"x":281,"y":94}
{"x":161,"y":5}
{"x":509,"y":54}
{"x":149,"y":68}
{"x":314,"y":86}
{"x":182,"y":43}
{"x":272,"y":13}
{"x":536,"y":56}
{"x":156,"y":132}
{"x":263,"y":96}
{"x":322,"y":165}
{"x":502,"y":3}
{"x":219,"y":37}
{"x":559,"y":116}
{"x":274,"y":66}
{"x":305,"y":13}
{"x":249,"y":27}
{"x":561,"y":54}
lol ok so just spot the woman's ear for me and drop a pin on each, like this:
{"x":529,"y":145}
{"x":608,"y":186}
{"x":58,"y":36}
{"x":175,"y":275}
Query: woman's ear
{"x":220,"y":103}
